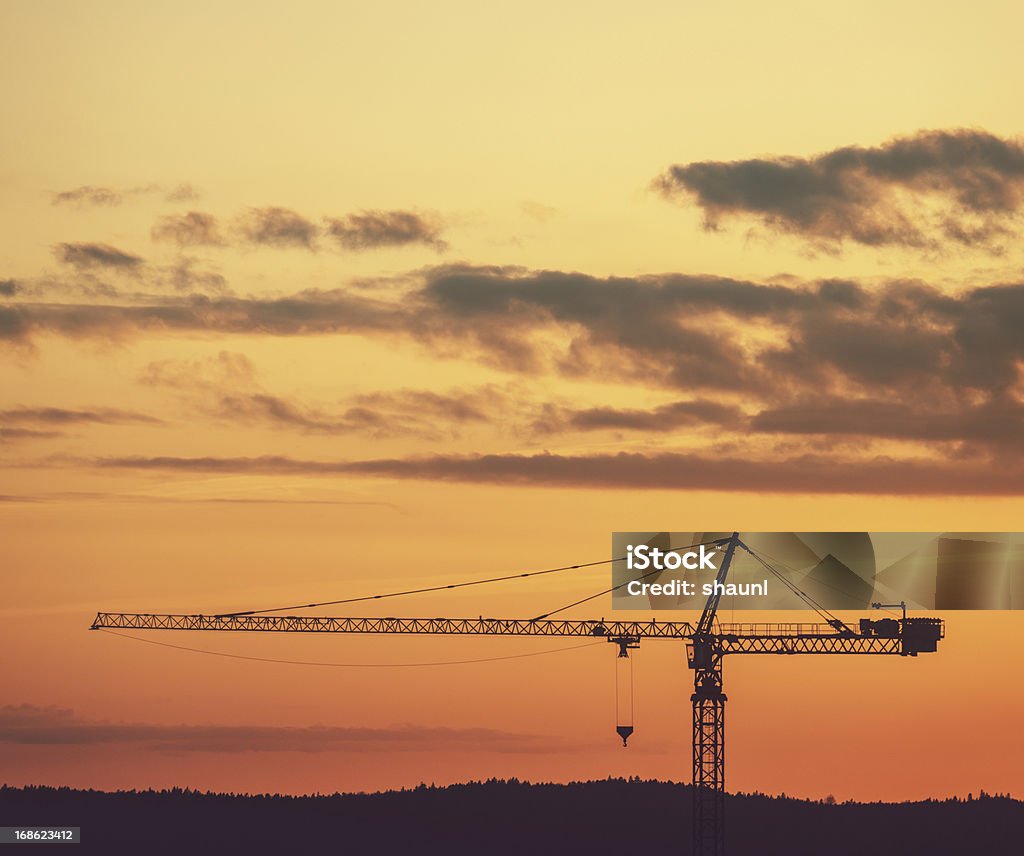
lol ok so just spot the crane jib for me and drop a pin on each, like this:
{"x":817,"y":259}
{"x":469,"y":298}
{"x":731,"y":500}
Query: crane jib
{"x":886,"y":636}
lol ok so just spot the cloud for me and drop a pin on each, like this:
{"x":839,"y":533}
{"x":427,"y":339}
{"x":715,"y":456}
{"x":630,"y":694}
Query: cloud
{"x":277,"y":227}
{"x":458,"y":406}
{"x":620,"y":328}
{"x":149,"y":498}
{"x":808,"y":474}
{"x":8,"y":434}
{"x":93,"y":196}
{"x":925,"y":191}
{"x":998,"y":422}
{"x":226,"y":368}
{"x":664,"y":418}
{"x":538,"y":211}
{"x":183,"y":192}
{"x":373,"y":229}
{"x":688,"y":332}
{"x":306,"y":313}
{"x":90,"y":195}
{"x":31,"y":725}
{"x":778,"y":370}
{"x":64,"y":416}
{"x":191,"y":229}
{"x":186,"y":276}
{"x":87,"y":256}
{"x":8,"y":288}
{"x":40,"y":423}
{"x":226,"y":387}
{"x":717,"y":339}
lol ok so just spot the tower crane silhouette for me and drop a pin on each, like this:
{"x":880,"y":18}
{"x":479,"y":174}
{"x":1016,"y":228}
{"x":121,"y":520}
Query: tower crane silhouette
{"x":707,"y":643}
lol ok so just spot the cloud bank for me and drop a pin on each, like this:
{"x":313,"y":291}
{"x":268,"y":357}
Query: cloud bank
{"x":31,"y":725}
{"x":672,"y":332}
{"x":804,"y":474}
{"x":925,"y":191}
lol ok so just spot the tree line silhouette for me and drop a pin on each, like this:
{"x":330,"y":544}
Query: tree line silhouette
{"x":510,"y":817}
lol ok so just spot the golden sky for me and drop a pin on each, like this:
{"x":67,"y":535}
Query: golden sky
{"x":316,"y":303}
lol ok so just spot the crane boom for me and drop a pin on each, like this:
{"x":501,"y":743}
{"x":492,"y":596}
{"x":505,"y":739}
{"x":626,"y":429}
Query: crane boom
{"x":914,"y":636}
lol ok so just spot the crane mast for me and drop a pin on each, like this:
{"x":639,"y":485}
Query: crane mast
{"x":707,"y":642}
{"x":704,"y":656}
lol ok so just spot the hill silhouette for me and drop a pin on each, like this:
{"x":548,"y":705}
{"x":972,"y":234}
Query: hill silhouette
{"x":509,"y":817}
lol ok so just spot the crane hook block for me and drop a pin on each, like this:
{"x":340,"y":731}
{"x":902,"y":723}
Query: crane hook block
{"x":624,"y":696}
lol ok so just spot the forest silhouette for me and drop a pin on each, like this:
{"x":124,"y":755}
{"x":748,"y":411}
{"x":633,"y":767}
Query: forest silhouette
{"x":510,"y":817}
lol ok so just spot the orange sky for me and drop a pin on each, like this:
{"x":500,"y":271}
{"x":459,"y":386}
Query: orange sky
{"x":313,"y":305}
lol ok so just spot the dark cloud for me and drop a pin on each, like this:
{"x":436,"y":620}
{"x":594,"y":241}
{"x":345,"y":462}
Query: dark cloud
{"x":811,"y":474}
{"x":85,"y":256}
{"x":924,"y":191}
{"x":191,"y":229}
{"x":65,"y":416}
{"x":306,"y":313}
{"x":996,"y":423}
{"x":655,"y":328}
{"x":39,"y":423}
{"x":15,"y":324}
{"x":410,"y":413}
{"x":477,"y":405}
{"x":667,"y":417}
{"x":720,"y":340}
{"x":8,"y":434}
{"x":89,"y":194}
{"x":258,"y":407}
{"x":381,"y":419}
{"x":31,"y":725}
{"x":8,"y":287}
{"x":89,"y":283}
{"x":92,"y":196}
{"x":371,"y":229}
{"x":152,"y":499}
{"x":277,"y":227}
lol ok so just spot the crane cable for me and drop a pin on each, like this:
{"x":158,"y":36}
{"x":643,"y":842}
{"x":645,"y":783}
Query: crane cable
{"x":793,"y":587}
{"x":789,"y":567}
{"x":454,"y":586}
{"x":417,"y":591}
{"x":622,"y":585}
{"x":350,"y":665}
{"x":800,"y":593}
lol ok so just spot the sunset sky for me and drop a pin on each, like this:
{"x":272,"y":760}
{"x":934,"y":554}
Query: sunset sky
{"x":315,"y":303}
